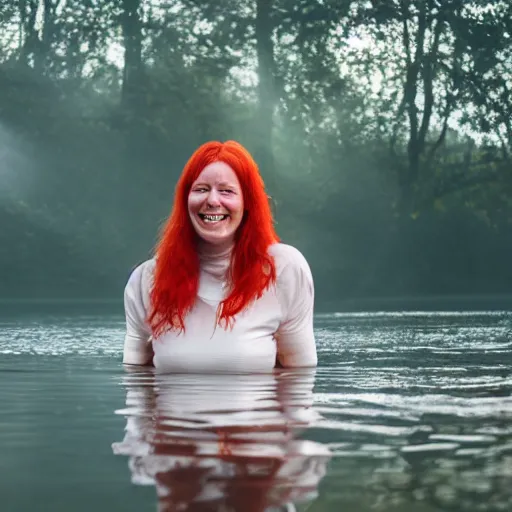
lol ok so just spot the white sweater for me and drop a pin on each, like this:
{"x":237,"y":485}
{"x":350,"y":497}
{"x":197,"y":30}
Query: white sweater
{"x":279,"y":324}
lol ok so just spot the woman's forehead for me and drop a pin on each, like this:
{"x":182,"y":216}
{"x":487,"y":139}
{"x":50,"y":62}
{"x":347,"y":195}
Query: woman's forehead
{"x":218,"y":173}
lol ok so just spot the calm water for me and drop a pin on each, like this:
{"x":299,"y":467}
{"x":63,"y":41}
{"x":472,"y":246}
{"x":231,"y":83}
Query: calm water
{"x":405,"y":412}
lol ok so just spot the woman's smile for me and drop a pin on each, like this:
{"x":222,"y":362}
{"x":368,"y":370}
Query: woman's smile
{"x":212,"y":219}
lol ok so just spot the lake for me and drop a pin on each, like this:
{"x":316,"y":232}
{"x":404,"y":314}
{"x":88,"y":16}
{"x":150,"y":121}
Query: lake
{"x":406,"y":411}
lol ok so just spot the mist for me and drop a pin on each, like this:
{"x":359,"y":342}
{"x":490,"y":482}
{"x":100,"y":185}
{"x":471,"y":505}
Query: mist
{"x":389,"y":168}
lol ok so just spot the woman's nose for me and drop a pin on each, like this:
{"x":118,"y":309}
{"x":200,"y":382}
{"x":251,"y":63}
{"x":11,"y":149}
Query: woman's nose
{"x":213,"y":198}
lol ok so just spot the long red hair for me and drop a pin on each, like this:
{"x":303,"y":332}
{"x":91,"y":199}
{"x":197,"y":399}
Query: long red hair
{"x":252,"y":269}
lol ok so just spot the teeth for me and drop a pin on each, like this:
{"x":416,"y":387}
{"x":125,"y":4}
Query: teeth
{"x":213,"y":218}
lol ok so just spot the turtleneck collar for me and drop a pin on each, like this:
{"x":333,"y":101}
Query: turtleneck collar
{"x":215,"y":260}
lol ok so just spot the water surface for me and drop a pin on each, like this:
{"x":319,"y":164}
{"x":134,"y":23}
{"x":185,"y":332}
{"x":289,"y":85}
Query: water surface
{"x":407,"y":411}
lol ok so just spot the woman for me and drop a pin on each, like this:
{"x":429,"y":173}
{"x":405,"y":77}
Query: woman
{"x":221,"y":294}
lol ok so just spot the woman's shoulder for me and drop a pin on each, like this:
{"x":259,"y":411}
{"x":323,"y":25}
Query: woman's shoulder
{"x":288,"y":256}
{"x":294,"y":283}
{"x":142,"y":273}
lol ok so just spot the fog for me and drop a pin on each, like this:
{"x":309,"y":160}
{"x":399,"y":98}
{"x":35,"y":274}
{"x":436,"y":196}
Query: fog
{"x":388,"y":162}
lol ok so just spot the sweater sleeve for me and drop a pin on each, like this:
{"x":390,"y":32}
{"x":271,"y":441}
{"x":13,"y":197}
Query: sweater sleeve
{"x":137,"y":346}
{"x":296,"y":345}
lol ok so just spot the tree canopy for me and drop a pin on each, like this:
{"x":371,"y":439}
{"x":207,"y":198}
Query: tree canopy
{"x":383,"y":131}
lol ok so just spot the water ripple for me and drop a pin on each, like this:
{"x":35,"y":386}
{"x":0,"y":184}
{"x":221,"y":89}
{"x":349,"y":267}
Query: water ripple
{"x":410,"y":410}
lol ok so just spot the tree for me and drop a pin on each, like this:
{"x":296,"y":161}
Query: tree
{"x":435,"y":60}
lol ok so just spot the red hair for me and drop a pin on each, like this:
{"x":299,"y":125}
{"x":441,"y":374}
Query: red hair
{"x":252,"y":269}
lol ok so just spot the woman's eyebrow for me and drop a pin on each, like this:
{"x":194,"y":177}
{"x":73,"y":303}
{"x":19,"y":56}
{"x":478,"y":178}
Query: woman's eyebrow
{"x":227,"y":184}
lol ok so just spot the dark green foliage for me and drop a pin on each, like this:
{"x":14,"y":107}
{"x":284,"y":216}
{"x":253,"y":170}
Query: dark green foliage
{"x":382,"y":129}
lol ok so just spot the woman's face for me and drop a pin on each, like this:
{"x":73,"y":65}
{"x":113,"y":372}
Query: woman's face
{"x":216,"y":204}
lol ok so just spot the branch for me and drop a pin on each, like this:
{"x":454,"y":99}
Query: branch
{"x":21,"y":25}
{"x":414,"y":147}
{"x":450,"y":102}
{"x":439,"y":142}
{"x":399,"y":114}
{"x":407,"y":39}
{"x":428,"y":78}
{"x":420,"y":37}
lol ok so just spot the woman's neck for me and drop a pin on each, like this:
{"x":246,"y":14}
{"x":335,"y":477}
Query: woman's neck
{"x":215,"y":259}
{"x":207,"y":250}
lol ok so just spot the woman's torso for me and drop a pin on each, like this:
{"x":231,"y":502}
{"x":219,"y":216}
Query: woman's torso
{"x":248,"y":345}
{"x":284,"y":311}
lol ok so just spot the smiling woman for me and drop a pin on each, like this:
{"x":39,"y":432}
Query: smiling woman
{"x":221,"y":293}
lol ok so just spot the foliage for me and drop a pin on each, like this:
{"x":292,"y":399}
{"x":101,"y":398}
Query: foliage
{"x":383,"y":131}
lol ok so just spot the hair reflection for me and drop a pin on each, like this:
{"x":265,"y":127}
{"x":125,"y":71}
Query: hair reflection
{"x":219,"y":442}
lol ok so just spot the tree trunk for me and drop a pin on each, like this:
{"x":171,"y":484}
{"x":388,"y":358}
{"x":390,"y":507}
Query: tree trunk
{"x":30,"y":45}
{"x":266,"y":92}
{"x":47,"y":35}
{"x":133,"y":69}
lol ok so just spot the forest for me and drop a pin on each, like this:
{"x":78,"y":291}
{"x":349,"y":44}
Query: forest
{"x":382,"y":128}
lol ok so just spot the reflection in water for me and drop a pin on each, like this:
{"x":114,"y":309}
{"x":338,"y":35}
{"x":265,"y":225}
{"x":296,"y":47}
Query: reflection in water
{"x":223,"y":442}
{"x":415,"y":408}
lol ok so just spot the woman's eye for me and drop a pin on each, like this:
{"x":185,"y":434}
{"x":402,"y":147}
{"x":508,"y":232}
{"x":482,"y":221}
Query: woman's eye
{"x":227,"y":191}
